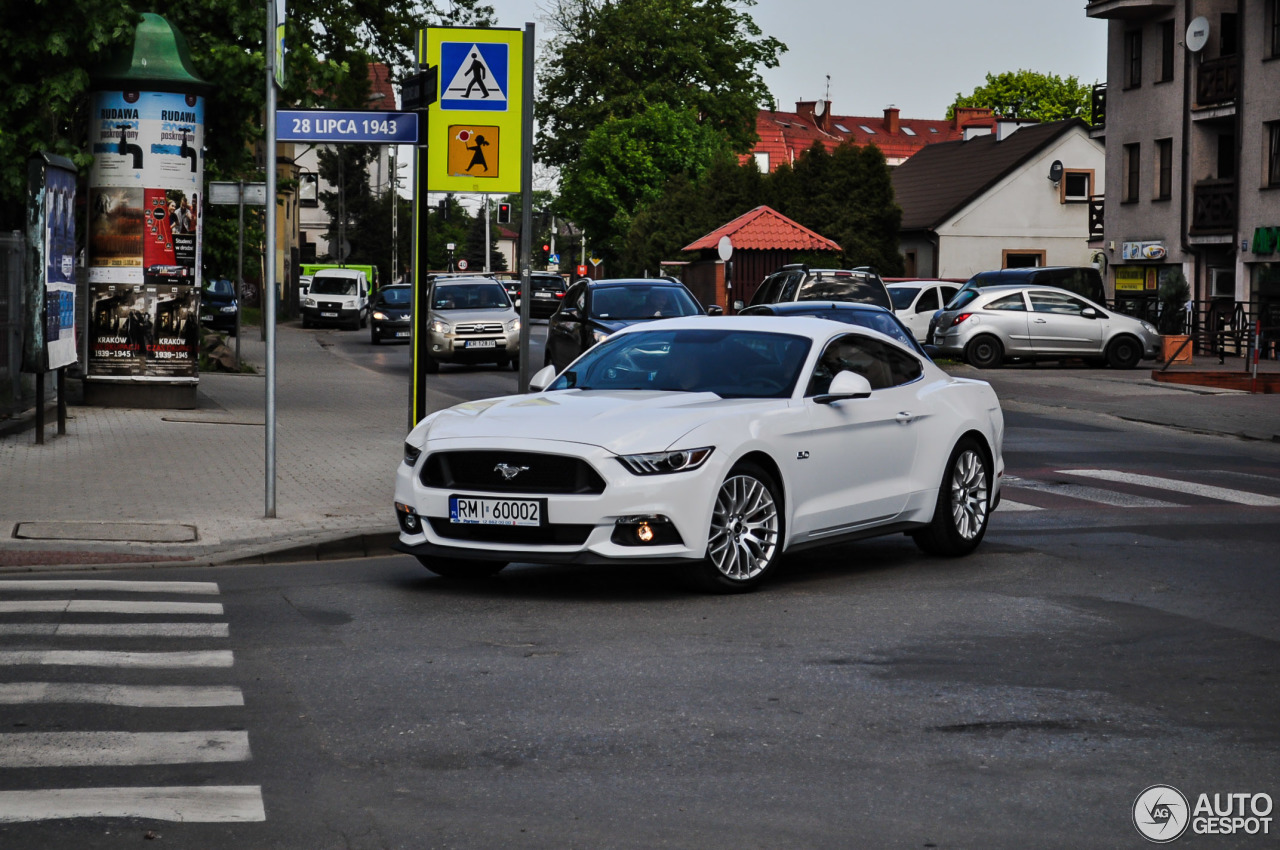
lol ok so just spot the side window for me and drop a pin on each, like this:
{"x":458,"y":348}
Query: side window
{"x":765,"y":294}
{"x":948,"y":292}
{"x":882,"y":365}
{"x":1056,"y":302}
{"x":928,"y":302}
{"x":790,"y":285}
{"x":1012,"y":303}
{"x":577,"y":296}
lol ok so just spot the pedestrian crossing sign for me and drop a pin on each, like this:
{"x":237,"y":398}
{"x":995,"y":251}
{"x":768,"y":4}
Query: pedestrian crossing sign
{"x":475,"y":142}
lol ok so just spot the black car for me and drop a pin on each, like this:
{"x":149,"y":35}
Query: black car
{"x":1082,"y":280}
{"x":547,"y":290}
{"x":391,"y":312}
{"x":800,"y":283}
{"x":864,"y":315}
{"x":593,"y":309}
{"x":218,"y":306}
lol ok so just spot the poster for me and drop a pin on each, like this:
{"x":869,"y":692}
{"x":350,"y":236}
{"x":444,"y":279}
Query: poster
{"x":144,"y":332}
{"x":51,"y":344}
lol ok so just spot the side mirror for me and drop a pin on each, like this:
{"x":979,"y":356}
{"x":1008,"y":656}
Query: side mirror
{"x":715,"y":310}
{"x":738,"y":305}
{"x":1089,"y":313}
{"x":845,"y":385}
{"x":542,"y":379}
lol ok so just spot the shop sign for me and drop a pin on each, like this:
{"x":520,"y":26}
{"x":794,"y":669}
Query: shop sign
{"x":1266,"y":240}
{"x":1142,"y":251}
{"x":1135,"y":278}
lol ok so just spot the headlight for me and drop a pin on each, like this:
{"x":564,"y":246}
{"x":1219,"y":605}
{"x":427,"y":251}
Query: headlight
{"x":411,"y":454}
{"x":514,"y":326}
{"x":439,"y":327}
{"x":230,"y":308}
{"x":662,"y":463}
{"x":308,"y":302}
{"x":598,"y":336}
{"x":1149,"y":328}
{"x":379,"y":315}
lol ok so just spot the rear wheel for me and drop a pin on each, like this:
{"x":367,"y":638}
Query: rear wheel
{"x":984,"y":352}
{"x":461,"y":569}
{"x":963,"y":510}
{"x":746,"y":530}
{"x":1124,"y":352}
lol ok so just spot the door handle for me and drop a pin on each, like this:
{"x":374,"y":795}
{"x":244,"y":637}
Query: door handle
{"x":1042,"y":321}
{"x":905,"y":416}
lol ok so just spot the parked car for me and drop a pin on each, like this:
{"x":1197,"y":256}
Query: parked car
{"x":1082,"y":280}
{"x":798,"y":282}
{"x":990,"y":324}
{"x":591,"y":310}
{"x":391,"y":314}
{"x":218,"y":306}
{"x":864,"y":315}
{"x":337,"y":297}
{"x":915,"y":302}
{"x":471,"y":321}
{"x":713,"y":444}
{"x":547,"y":290}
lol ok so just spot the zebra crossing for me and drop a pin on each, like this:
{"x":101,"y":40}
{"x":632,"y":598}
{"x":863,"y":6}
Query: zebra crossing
{"x":1125,"y":489}
{"x":42,"y":665}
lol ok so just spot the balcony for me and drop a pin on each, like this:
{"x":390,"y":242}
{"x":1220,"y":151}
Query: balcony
{"x":1096,"y":210}
{"x":1213,"y":209}
{"x":1098,"y":106}
{"x":1217,"y":81}
{"x":1127,"y":10}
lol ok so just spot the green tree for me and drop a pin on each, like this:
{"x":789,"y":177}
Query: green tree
{"x":616,"y":59}
{"x":1028,"y":94}
{"x":474,"y":248}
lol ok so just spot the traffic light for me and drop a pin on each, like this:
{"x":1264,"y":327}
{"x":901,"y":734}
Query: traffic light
{"x":504,"y":213}
{"x":443,"y":206}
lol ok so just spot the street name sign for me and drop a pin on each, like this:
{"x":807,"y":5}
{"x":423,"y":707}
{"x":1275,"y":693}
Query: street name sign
{"x":328,"y":126}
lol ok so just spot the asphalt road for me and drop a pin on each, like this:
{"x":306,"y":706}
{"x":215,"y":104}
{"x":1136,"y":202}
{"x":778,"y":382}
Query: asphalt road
{"x":1112,"y":633}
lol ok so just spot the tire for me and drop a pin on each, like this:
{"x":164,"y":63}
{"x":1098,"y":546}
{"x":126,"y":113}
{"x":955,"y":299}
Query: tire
{"x":458,"y":568}
{"x":1124,"y":352}
{"x":364,"y":320}
{"x":503,"y":362}
{"x":515,"y":364}
{"x":306,"y":323}
{"x":963,"y":510}
{"x":374,"y":339}
{"x":430,"y":365}
{"x":745,"y":538}
{"x":984,"y":352}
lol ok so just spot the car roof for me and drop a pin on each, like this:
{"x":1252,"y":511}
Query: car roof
{"x":807,"y":307}
{"x":636,"y":281}
{"x":816,"y":328}
{"x":1001,"y":288}
{"x":450,"y":281}
{"x":337,"y":273}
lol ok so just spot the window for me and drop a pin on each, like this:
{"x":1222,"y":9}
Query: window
{"x":1272,"y":24}
{"x":762,"y":162}
{"x":1132,"y":162}
{"x":1166,"y":52}
{"x":1273,"y":154}
{"x":1229,"y":40}
{"x":1022,"y":259}
{"x":308,"y":189}
{"x":1132,"y":59}
{"x":909,"y":263}
{"x":881,"y":364}
{"x":867,"y":130}
{"x":1164,"y":169}
{"x":1076,"y":186}
{"x":1009,"y":304}
{"x":1056,"y":302}
{"x":908,"y":131}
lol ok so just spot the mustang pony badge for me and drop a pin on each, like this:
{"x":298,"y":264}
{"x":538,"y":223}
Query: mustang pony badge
{"x":508,"y":471}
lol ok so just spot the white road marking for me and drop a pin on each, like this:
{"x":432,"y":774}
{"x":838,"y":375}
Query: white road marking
{"x":123,"y":630}
{"x":118,"y":749}
{"x":103,"y":658}
{"x":1010,"y":505}
{"x":187,"y":804}
{"x":136,"y":696}
{"x":106,"y":606}
{"x":1222,"y":494}
{"x":80,"y":585}
{"x":1093,"y":494}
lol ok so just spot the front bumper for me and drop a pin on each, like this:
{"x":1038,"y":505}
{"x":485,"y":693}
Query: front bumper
{"x":482,"y":348}
{"x":593,"y":520}
{"x":330,"y":314}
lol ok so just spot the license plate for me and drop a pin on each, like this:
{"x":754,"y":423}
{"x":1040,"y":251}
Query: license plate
{"x":402,"y":333}
{"x":481,"y":343}
{"x":468,"y":510}
{"x":542,"y":295}
{"x":329,"y":315}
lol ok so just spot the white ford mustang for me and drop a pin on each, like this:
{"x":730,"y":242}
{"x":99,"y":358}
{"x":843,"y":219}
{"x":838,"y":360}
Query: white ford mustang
{"x":712,"y":443}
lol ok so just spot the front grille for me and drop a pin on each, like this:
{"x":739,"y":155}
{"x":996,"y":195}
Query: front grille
{"x":478,"y":472}
{"x":546,"y":535}
{"x":479,"y":328}
{"x":328,"y":305}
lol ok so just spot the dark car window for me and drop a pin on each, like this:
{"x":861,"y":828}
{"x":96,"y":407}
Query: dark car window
{"x":1013,"y":303}
{"x":790,"y":283}
{"x":470,"y":296}
{"x":642,"y":302}
{"x":546,"y":284}
{"x":857,"y":290}
{"x":325,"y":285}
{"x":928,"y":302}
{"x":768,"y":291}
{"x":949,"y":292}
{"x":903,"y":296}
{"x":961,"y":299}
{"x":396,"y":295}
{"x":882,"y":365}
{"x":1056,"y":302}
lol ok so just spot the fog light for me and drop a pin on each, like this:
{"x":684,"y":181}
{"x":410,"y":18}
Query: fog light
{"x":644,"y":532}
{"x":408,"y":519}
{"x":649,"y":530}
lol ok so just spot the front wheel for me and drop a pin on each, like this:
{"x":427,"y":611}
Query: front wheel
{"x":963,"y":508}
{"x":746,"y":531}
{"x":1124,"y":352}
{"x":984,"y":352}
{"x":461,"y":569}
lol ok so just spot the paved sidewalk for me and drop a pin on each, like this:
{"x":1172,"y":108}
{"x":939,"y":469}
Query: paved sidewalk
{"x":189,"y":487}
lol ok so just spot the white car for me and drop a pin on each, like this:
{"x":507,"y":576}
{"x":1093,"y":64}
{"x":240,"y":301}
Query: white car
{"x":915,"y":302}
{"x":714,"y":443}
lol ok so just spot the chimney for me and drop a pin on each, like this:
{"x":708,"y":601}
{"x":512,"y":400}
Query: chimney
{"x":817,"y":111}
{"x":965,"y":114}
{"x":891,"y":120}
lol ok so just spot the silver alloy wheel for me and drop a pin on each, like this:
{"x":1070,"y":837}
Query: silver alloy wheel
{"x":969,"y":494}
{"x":744,"y":528}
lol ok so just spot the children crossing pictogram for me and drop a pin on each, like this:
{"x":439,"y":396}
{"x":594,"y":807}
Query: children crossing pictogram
{"x":477,"y":75}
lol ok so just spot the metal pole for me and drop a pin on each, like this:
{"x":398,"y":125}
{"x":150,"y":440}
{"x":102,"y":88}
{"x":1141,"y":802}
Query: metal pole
{"x":269,"y":284}
{"x":395,"y":217}
{"x":239,"y":271}
{"x":486,"y":234}
{"x":526,"y":195}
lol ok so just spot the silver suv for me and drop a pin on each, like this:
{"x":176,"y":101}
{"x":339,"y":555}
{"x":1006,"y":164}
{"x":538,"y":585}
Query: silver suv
{"x":471,"y":320}
{"x":986,"y":325}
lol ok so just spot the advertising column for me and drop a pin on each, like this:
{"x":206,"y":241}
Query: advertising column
{"x":145,"y":222}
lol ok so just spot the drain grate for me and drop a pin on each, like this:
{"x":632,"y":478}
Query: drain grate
{"x":130,"y":532}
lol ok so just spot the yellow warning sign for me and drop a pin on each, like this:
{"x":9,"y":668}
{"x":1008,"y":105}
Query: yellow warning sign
{"x":474,"y":150}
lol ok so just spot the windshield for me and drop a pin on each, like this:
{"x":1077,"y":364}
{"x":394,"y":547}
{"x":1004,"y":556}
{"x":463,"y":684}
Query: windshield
{"x":221,"y":287}
{"x":399,"y":295}
{"x":843,"y":289}
{"x":619,"y":303}
{"x":903,"y":296}
{"x":333,"y":286}
{"x":729,"y":363}
{"x":885,"y":323}
{"x":471,"y":296}
{"x":961,"y":298}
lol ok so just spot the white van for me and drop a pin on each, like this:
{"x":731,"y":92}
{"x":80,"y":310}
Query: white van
{"x":339,"y":297}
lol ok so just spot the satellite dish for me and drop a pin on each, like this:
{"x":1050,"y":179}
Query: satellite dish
{"x":1055,"y":171}
{"x":820,"y":107}
{"x":725,"y":247}
{"x":1198,"y":34}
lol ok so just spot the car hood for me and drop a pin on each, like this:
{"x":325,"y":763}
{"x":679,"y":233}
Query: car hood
{"x":486,"y":315}
{"x":619,"y":421}
{"x":216,"y":297}
{"x":614,"y":325}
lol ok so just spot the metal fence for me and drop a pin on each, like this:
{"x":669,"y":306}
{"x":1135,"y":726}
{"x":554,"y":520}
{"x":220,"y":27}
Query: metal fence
{"x":1218,"y":327}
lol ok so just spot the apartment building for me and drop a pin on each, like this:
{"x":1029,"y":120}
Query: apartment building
{"x":1190,"y":117}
